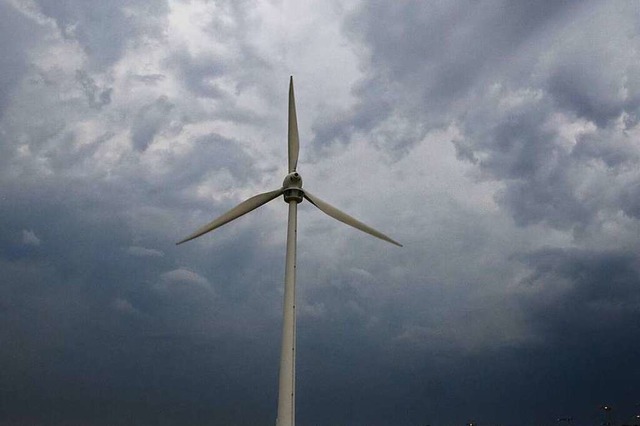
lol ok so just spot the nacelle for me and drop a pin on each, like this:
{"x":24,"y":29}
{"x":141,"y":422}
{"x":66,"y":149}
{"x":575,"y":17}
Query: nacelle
{"x":292,"y":180}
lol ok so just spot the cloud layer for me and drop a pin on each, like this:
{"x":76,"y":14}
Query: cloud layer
{"x":498,"y":141}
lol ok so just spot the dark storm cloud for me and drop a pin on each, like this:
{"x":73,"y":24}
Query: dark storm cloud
{"x":106,"y":321}
{"x":545,"y":173}
{"x":614,"y":148}
{"x":424,"y":58}
{"x":222,"y":153}
{"x":206,"y":156}
{"x":96,"y":96}
{"x":584,"y":305}
{"x":545,"y":96}
{"x":148,"y":122}
{"x":94,"y":333}
{"x":583,"y":296}
{"x":97,"y":326}
{"x":203,"y":73}
{"x":512,"y":143}
{"x":103,"y":29}
{"x":134,"y":334}
{"x":505,"y":72}
{"x":18,"y":34}
{"x":199,"y":73}
{"x":630,"y":199}
{"x":596,"y":83}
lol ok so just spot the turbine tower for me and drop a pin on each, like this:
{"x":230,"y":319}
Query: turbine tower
{"x":293,"y":194}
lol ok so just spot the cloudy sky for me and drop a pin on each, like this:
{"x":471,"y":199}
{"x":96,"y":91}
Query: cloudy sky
{"x":499,"y":141}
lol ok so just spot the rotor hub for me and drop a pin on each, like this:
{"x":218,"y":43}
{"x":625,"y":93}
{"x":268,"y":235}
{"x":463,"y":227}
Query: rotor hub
{"x":293,"y":187}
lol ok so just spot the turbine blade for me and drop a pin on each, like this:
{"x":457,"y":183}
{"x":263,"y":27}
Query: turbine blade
{"x":345,"y":218}
{"x":294,"y":142}
{"x":242,"y":208}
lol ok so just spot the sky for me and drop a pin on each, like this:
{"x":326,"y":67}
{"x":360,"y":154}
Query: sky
{"x":499,"y":141}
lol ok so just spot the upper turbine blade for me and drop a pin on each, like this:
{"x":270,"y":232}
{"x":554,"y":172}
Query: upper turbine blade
{"x":294,"y":142}
{"x":345,"y":218}
{"x":242,"y":208}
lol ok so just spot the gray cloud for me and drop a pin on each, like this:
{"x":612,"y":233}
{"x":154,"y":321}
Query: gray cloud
{"x":425,"y":58}
{"x":19,"y":34}
{"x":30,"y":238}
{"x":434,"y":64}
{"x":104,"y":29}
{"x":143,"y":251}
{"x":575,"y":293}
{"x":199,"y":73}
{"x":584,"y":306}
{"x":148,"y":122}
{"x":96,"y":97}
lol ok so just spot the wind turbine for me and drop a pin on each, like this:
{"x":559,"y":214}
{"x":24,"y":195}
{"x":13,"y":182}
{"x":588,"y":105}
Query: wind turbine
{"x":293,"y":194}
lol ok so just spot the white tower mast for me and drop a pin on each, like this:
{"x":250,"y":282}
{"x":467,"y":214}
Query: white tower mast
{"x":293,"y":194}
